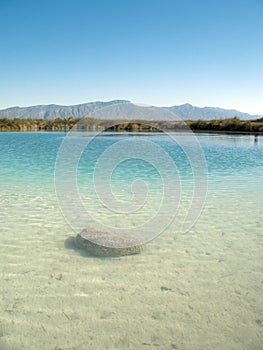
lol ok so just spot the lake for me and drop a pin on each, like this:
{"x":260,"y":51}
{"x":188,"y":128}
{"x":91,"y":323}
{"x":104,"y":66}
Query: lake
{"x":195,"y":201}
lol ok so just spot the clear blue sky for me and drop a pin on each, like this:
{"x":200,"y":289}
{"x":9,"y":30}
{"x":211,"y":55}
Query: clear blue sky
{"x":160,"y":52}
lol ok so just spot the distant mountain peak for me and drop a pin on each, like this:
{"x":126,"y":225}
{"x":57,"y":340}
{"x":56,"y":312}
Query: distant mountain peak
{"x":186,"y":105}
{"x":123,"y":109}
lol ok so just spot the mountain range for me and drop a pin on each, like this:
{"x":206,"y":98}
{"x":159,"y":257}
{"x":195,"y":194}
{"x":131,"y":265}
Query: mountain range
{"x":123,"y":109}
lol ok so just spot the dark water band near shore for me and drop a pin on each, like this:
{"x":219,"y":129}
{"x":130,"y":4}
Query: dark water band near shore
{"x":233,"y":125}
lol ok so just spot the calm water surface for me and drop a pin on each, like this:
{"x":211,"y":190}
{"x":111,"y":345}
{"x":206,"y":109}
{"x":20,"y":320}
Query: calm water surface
{"x":196,"y":290}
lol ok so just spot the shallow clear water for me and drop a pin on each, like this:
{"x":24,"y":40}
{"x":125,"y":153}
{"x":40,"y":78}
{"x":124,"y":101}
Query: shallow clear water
{"x":196,"y":290}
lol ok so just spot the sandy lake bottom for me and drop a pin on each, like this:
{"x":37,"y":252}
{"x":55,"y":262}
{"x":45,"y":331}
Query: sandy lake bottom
{"x":199,"y":290}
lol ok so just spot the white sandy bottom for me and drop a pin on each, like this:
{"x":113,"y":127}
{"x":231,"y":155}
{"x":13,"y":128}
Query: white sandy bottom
{"x":197,"y":291}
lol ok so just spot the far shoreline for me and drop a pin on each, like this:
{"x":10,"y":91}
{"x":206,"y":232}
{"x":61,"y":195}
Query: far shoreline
{"x":217,"y":126}
{"x":133,"y":133}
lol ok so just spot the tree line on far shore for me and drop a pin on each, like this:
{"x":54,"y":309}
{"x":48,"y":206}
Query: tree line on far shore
{"x":91,"y":124}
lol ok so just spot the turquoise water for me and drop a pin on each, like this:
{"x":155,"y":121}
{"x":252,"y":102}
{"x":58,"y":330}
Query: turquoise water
{"x":33,"y":155}
{"x":199,"y":289}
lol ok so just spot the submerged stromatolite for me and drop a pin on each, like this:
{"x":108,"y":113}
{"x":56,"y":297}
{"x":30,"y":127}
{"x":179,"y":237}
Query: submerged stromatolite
{"x":107,"y":244}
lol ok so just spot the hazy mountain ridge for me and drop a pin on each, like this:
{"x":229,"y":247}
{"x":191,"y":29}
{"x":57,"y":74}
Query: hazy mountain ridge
{"x":187,"y":111}
{"x":53,"y":111}
{"x":122,"y":109}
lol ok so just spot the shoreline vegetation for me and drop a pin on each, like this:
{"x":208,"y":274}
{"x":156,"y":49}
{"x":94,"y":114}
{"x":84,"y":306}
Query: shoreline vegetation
{"x":233,"y":125}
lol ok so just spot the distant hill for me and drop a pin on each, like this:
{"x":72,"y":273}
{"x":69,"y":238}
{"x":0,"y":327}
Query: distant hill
{"x":56,"y":111}
{"x":123,"y":109}
{"x":187,"y":111}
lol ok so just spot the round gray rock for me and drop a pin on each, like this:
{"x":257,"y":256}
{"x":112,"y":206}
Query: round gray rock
{"x":107,"y":244}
